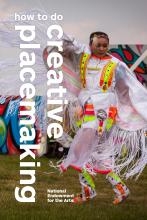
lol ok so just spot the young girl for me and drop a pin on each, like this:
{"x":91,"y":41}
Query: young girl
{"x":111,"y":139}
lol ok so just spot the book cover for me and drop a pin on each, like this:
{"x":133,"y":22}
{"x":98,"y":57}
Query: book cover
{"x":73,"y":99}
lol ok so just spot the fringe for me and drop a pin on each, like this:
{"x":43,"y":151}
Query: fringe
{"x":130,"y":151}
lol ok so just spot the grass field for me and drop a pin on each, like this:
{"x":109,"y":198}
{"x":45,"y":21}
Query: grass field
{"x":134,"y":208}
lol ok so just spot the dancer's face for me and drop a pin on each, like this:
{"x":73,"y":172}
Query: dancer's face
{"x":99,"y":46}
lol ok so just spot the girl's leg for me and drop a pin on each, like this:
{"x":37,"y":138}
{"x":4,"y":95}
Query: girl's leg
{"x":80,"y":149}
{"x":88,"y":187}
{"x":120,"y":189}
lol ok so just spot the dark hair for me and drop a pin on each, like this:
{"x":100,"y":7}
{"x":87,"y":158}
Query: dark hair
{"x":98,"y":34}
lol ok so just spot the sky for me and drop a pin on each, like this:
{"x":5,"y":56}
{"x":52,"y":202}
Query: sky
{"x":124,"y":21}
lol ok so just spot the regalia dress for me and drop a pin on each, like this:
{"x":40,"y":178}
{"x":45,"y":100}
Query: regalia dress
{"x":112,"y":134}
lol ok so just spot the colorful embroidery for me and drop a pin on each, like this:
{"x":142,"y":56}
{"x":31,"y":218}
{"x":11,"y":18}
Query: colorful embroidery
{"x":101,"y":116}
{"x":89,"y":114}
{"x":107,"y":76}
{"x":88,"y":178}
{"x":112,"y":112}
{"x":120,"y":189}
{"x":83,"y":64}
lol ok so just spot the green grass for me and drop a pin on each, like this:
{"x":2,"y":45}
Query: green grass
{"x":134,"y":208}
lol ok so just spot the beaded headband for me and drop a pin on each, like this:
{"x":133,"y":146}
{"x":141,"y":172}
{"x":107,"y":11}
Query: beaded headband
{"x":101,"y":35}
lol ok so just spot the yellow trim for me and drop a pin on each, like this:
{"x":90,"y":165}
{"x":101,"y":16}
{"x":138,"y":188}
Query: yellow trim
{"x":107,"y":75}
{"x":83,"y":64}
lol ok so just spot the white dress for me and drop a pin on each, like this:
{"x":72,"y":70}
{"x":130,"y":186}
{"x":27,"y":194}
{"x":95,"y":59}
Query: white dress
{"x":123,"y":148}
